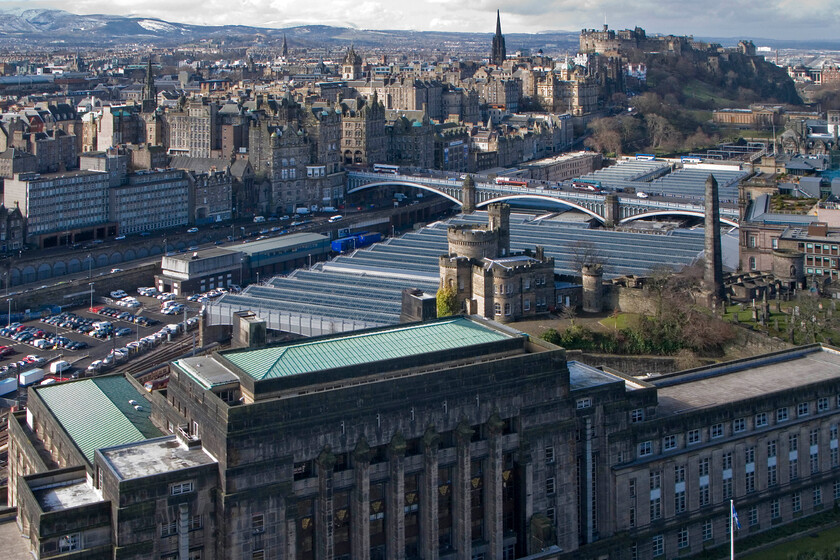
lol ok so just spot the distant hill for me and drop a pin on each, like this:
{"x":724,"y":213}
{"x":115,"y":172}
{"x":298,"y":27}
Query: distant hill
{"x":39,"y":26}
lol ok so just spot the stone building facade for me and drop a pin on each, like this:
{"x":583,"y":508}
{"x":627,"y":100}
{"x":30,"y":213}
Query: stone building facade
{"x":363,"y":131}
{"x":490,"y":281}
{"x":540,"y":458}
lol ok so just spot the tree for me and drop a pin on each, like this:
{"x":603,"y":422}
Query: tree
{"x":585,"y":253}
{"x":605,"y":136}
{"x":447,"y":302}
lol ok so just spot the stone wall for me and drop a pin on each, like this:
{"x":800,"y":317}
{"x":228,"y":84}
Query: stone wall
{"x":77,"y":292}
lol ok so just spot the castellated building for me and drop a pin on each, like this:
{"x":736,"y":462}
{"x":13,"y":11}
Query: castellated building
{"x":488,"y":279}
{"x":451,"y":439}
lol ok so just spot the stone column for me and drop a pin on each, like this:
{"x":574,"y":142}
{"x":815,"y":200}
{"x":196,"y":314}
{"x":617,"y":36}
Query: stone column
{"x":713,"y":272}
{"x":493,"y":504}
{"x":291,"y":533}
{"x":611,"y":214}
{"x":429,"y":496}
{"x":360,"y":502}
{"x":395,"y":498}
{"x":324,"y":506}
{"x":468,"y":195}
{"x":461,"y":518}
{"x":525,"y":484}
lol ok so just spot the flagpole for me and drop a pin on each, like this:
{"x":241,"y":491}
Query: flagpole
{"x":731,"y":530}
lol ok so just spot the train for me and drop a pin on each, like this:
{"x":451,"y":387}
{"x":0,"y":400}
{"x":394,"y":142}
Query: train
{"x":352,"y":242}
{"x":512,"y":182}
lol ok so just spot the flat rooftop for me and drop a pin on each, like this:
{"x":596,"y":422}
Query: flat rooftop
{"x":206,"y":371}
{"x":153,"y":457}
{"x":582,"y":376}
{"x":208,"y":253}
{"x":363,"y":348}
{"x":97,"y":412}
{"x":66,"y":495}
{"x":745,"y":379}
{"x":282,"y":242}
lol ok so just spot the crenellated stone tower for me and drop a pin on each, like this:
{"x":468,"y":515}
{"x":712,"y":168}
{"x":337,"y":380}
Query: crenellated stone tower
{"x":491,"y":281}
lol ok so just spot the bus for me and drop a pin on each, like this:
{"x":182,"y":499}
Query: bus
{"x":645,"y":157}
{"x":511,"y":182}
{"x":383,"y":168}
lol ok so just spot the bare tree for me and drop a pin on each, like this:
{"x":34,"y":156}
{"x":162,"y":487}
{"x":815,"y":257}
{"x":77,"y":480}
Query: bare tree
{"x":585,"y":253}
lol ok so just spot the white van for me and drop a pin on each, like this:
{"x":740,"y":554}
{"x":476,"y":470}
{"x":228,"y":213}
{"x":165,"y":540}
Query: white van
{"x":336,"y":218}
{"x":118,"y":294}
{"x":259,"y":219}
{"x":60,"y":366}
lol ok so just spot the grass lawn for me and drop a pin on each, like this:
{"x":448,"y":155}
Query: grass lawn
{"x":822,"y":541}
{"x":700,"y":90}
{"x":618,"y":322}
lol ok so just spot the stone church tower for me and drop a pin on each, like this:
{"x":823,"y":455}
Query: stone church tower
{"x":498,"y":54}
{"x":351,"y":67}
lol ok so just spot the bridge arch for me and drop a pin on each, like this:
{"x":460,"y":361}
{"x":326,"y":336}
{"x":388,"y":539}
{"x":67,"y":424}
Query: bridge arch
{"x":694,"y":213}
{"x":406,"y":184}
{"x":552,"y":199}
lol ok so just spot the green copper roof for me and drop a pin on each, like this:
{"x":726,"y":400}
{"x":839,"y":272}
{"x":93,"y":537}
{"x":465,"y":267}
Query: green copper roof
{"x":96,"y":413}
{"x":399,"y":342}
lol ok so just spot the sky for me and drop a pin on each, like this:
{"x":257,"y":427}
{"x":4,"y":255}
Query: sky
{"x":772,"y":19}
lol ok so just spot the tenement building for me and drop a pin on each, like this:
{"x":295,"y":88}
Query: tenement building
{"x":452,"y":439}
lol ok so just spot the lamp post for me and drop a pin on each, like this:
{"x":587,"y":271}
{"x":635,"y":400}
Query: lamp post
{"x":310,"y":260}
{"x":9,"y":316}
{"x":164,"y":247}
{"x":91,"y":295}
{"x":90,"y":266}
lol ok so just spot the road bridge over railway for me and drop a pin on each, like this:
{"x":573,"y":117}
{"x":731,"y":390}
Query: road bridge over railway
{"x":608,"y":208}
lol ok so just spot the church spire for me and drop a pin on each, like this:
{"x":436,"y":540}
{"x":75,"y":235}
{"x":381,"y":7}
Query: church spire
{"x":284,"y":51}
{"x":498,"y":54}
{"x":149,"y":101}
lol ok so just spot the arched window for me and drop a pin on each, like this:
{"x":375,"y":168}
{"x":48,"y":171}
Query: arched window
{"x":498,"y":308}
{"x":507,"y":309}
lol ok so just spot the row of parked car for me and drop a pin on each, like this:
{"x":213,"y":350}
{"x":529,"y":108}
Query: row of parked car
{"x":126,"y":316}
{"x":210,"y":295}
{"x":121,"y":355}
{"x":45,"y":340}
{"x":29,"y":362}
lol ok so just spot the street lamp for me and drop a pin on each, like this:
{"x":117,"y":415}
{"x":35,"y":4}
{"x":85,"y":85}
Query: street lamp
{"x":9,"y":317}
{"x":91,"y":295}
{"x":164,"y":247}
{"x":310,"y":260}
{"x":90,"y":266}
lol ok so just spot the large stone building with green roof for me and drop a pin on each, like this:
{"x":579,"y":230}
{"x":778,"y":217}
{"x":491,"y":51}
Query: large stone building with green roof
{"x":453,"y":439}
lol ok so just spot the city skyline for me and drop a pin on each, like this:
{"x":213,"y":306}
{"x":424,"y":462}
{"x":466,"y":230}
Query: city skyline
{"x":811,"y":20}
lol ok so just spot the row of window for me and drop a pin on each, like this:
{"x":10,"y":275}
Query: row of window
{"x":707,"y":531}
{"x":739,"y":425}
